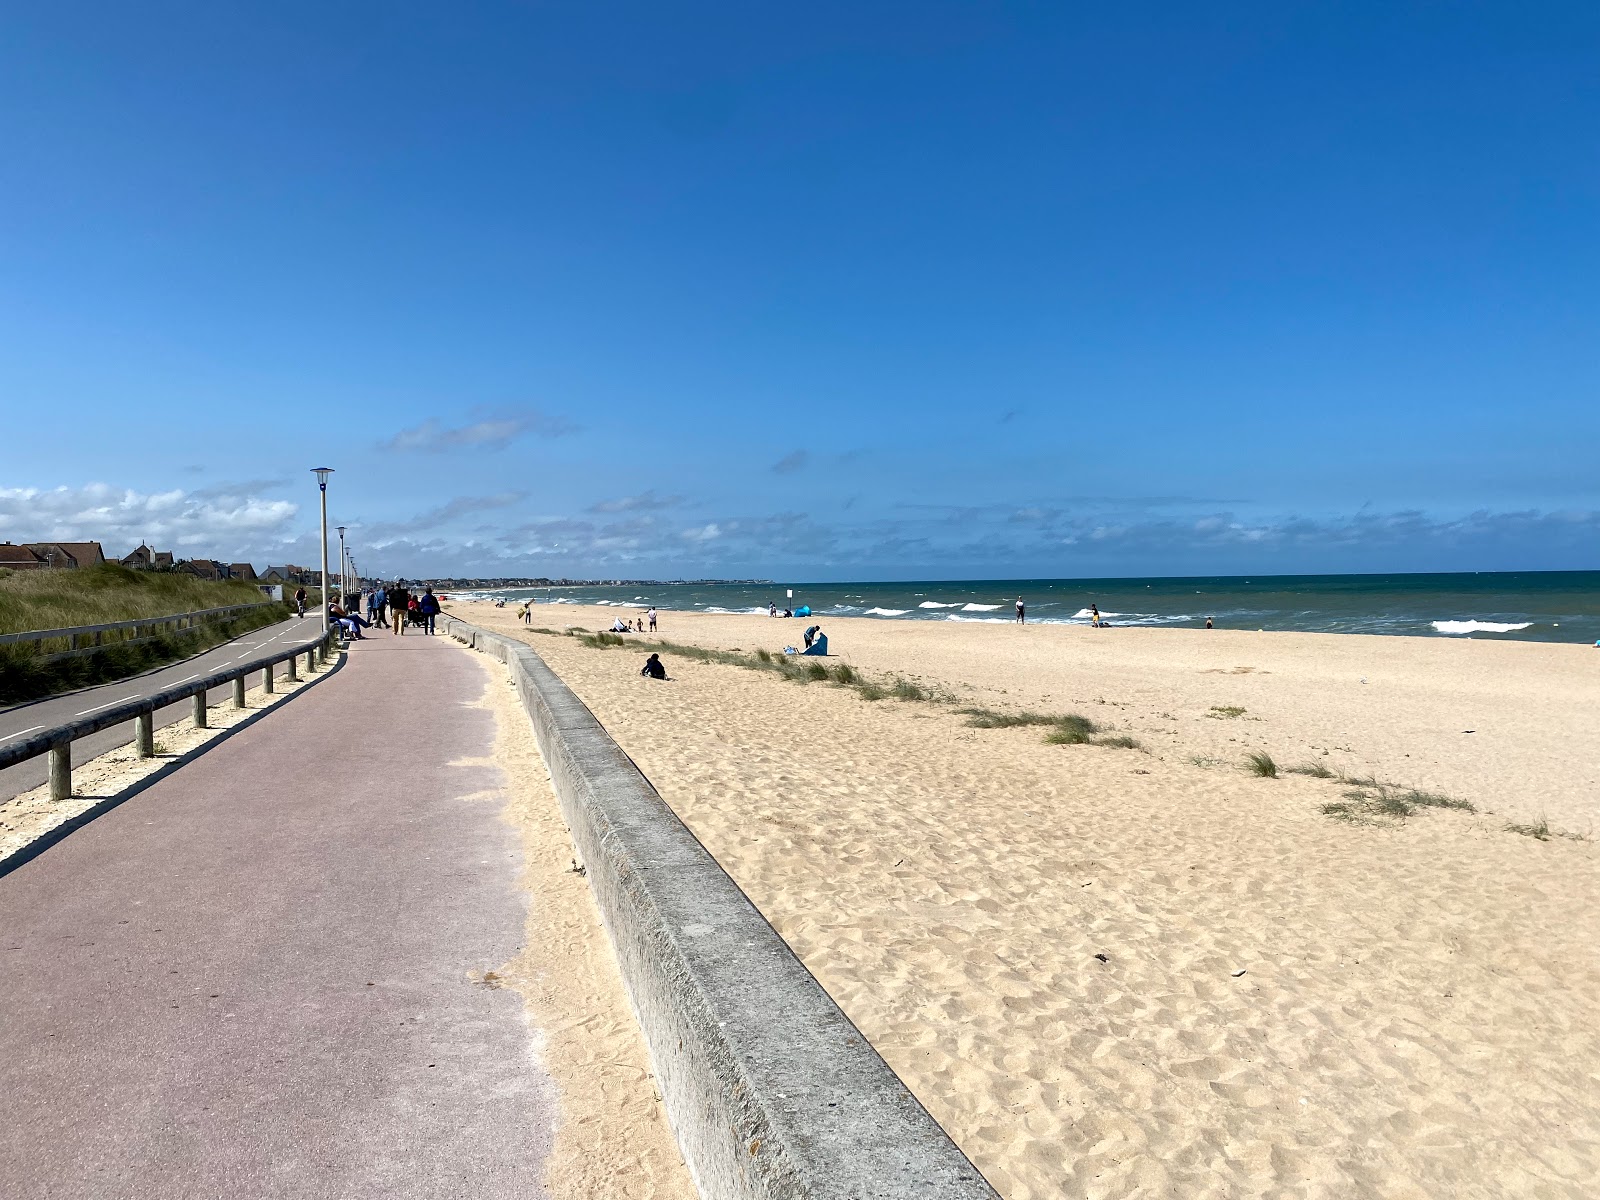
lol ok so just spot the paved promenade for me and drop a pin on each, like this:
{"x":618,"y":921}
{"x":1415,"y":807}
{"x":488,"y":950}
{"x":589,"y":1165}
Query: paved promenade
{"x":256,"y":978}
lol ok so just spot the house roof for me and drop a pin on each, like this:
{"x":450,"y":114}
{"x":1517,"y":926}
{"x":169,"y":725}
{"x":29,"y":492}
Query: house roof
{"x":243,"y":570}
{"x":84,"y":552}
{"x":20,"y":555}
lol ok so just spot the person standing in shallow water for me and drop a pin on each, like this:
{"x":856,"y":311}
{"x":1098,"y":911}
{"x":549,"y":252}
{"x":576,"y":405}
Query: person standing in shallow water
{"x":1022,"y":612}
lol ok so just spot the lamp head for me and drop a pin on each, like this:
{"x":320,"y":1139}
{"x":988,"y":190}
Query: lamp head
{"x":322,"y":474}
{"x":341,"y":530}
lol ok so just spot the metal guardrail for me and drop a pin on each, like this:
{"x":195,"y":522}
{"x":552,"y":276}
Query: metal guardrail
{"x":141,"y":710}
{"x":99,"y":631}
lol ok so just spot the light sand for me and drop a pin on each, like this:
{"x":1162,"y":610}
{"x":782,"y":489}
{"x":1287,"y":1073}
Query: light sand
{"x":1420,"y":1012}
{"x":612,"y":1138}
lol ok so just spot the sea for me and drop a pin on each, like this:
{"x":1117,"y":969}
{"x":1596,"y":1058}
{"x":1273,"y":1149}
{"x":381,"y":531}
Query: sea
{"x":1539,"y":606}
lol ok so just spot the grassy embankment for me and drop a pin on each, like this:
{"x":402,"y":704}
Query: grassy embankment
{"x":102,"y":594}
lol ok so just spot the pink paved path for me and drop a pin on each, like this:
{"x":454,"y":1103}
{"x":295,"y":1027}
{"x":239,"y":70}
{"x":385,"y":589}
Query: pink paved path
{"x":252,"y":978}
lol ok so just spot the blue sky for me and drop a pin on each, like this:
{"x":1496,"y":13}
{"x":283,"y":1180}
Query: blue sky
{"x":840,"y":291}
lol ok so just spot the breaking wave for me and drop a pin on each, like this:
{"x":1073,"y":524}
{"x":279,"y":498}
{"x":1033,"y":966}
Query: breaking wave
{"x":1479,"y":626}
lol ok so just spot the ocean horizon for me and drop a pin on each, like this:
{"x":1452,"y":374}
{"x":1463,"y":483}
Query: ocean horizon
{"x":1541,"y":606}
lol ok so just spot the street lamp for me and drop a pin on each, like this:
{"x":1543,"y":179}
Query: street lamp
{"x":344,"y":572}
{"x":322,"y":474}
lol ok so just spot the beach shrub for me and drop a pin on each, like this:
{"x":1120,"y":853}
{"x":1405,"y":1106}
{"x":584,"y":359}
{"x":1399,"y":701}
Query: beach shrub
{"x":763,"y":656}
{"x":1315,"y":770}
{"x":904,"y":689}
{"x":1119,"y":742}
{"x":816,"y":671}
{"x":988,"y":718}
{"x":1071,"y":730}
{"x":1260,"y":763}
{"x":1371,"y":802}
{"x":870,"y":691}
{"x":844,"y":673}
{"x":1225,"y":712}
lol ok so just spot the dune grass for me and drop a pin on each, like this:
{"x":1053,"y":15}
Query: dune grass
{"x":1119,"y":741}
{"x":1315,"y":770}
{"x":1064,"y":730}
{"x":1372,"y":802}
{"x":988,"y":718}
{"x":1261,"y":763}
{"x":1541,"y":830}
{"x":1225,"y":712}
{"x":108,"y":592}
{"x":1071,"y":730}
{"x":100,"y":595}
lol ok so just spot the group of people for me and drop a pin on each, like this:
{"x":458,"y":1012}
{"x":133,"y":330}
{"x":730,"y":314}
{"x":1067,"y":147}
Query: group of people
{"x":644,"y":624}
{"x":394,"y":607}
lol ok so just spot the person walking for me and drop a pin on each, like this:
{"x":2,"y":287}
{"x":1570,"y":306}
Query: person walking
{"x":399,"y":598}
{"x":428,"y":606}
{"x":1022,"y":612}
{"x":380,"y":606}
{"x":652,"y":615}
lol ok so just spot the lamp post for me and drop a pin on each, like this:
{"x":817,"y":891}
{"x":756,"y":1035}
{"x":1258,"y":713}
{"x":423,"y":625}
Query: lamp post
{"x":344,"y":573}
{"x":322,"y":474}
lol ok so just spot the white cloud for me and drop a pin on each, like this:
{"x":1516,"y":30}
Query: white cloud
{"x":217,"y":521}
{"x":492,"y":433}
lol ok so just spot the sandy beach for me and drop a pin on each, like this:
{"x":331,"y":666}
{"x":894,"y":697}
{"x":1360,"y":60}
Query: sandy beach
{"x":1144,"y":971}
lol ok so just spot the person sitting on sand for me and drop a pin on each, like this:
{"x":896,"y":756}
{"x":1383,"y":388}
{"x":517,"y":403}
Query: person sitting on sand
{"x":1208,"y":623}
{"x":618,"y":627}
{"x":652,"y":668}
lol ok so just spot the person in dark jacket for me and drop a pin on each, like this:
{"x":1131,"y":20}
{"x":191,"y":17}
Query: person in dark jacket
{"x":398,"y":599}
{"x":428,"y":606}
{"x":652,"y":668}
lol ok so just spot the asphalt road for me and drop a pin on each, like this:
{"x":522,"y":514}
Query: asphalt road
{"x":263,"y":976}
{"x":57,"y":710}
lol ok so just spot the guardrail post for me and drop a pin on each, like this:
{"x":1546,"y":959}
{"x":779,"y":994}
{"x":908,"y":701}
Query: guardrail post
{"x":293,"y":672}
{"x":266,"y":680}
{"x":144,"y":734}
{"x":61,"y":771}
{"x":238,"y":691}
{"x":311,"y":662}
{"x":199,"y":708}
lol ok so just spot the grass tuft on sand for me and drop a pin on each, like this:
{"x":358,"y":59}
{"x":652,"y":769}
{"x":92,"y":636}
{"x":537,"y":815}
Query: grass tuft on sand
{"x":1071,"y":730}
{"x":1315,"y":770}
{"x":1261,"y":763}
{"x":1225,"y":712}
{"x":1120,"y":741}
{"x":1541,"y":830}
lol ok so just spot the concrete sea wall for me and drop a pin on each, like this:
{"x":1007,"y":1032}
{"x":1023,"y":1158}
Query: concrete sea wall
{"x":770,"y":1089}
